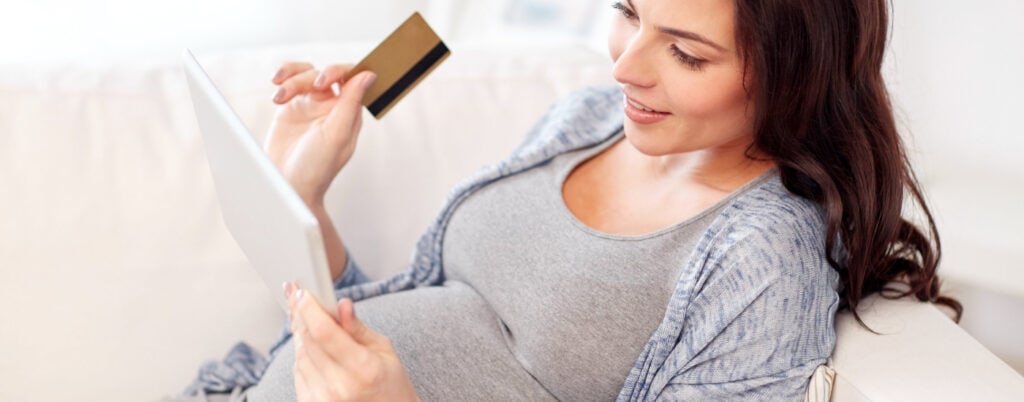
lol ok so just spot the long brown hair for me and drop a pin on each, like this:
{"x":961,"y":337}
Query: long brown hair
{"x":823,"y":113}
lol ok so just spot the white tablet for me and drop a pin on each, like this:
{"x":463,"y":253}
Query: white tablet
{"x":273,"y":226}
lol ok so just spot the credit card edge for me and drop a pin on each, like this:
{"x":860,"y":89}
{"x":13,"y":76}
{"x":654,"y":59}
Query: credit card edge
{"x":401,"y":94}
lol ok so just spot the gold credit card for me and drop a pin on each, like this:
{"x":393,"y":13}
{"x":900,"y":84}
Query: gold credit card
{"x":400,"y":62}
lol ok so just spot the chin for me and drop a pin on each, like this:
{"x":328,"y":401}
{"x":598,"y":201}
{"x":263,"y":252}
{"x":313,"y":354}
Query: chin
{"x":651,"y":142}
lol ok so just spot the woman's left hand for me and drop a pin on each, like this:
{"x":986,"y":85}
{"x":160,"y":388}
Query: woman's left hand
{"x":344,"y":361}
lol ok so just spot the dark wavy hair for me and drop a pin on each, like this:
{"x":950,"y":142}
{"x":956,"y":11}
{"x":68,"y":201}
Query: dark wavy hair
{"x":823,"y":114}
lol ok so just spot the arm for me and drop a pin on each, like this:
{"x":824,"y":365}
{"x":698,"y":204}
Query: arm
{"x":337,"y":257}
{"x":313,"y":136}
{"x":344,"y":270}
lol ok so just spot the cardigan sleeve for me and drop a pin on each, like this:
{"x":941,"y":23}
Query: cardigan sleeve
{"x":352,"y":275}
{"x":760,"y":321}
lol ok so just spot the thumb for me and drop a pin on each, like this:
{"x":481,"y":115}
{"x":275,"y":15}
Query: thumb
{"x":361,"y":333}
{"x":347,"y":112}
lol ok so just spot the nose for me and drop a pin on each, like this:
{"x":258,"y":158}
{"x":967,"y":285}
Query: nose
{"x":634,"y":66}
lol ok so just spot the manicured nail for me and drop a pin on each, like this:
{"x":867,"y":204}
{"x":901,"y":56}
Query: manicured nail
{"x":298,"y":295}
{"x":278,"y":75}
{"x":319,"y":81}
{"x":279,"y":96}
{"x":368,"y":80}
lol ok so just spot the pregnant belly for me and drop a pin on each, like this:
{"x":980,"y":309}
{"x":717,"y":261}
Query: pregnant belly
{"x":449,"y":340}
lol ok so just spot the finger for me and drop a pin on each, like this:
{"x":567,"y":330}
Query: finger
{"x":311,"y":378}
{"x":291,"y":294}
{"x":321,"y":331}
{"x":313,"y":352}
{"x":331,"y":74}
{"x":359,"y":331}
{"x":327,"y":368}
{"x":299,"y":378}
{"x":310,"y":375}
{"x":288,"y":70}
{"x":347,"y":113}
{"x":296,"y":85}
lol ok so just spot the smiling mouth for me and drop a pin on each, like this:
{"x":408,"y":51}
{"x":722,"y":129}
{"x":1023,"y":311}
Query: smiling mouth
{"x":640,"y":106}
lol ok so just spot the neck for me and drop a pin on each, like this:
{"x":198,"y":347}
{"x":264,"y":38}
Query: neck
{"x":723,"y":168}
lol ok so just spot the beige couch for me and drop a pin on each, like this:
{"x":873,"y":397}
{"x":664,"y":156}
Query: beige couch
{"x":118,"y":277}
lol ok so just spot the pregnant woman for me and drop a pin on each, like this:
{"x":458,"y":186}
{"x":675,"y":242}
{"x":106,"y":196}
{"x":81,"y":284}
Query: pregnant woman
{"x":688,"y":234}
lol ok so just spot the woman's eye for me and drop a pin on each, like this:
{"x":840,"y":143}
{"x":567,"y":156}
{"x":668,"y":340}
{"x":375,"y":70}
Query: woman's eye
{"x":626,"y":12}
{"x":692,"y":62}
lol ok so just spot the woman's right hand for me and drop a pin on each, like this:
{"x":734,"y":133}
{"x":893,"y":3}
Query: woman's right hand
{"x":314,"y":131}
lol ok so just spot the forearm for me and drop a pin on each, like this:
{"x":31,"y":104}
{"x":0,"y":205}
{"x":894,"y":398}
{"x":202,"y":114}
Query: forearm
{"x":336,"y":255}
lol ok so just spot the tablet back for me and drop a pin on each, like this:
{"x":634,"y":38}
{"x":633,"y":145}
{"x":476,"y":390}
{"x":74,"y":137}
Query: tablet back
{"x":273,"y":226}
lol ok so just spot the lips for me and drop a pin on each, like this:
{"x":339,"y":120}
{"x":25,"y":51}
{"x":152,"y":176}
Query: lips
{"x":641,"y":114}
{"x":640,"y":106}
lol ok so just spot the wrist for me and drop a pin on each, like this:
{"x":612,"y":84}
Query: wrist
{"x":315,"y":203}
{"x":319,"y":211}
{"x":310,"y":194}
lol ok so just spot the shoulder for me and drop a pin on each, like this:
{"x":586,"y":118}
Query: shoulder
{"x":769,"y":208}
{"x":764,"y":297}
{"x":768,"y":227}
{"x":768,"y":243}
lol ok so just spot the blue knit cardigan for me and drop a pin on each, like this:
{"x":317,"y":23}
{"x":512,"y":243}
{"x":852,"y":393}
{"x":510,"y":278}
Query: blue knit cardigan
{"x":752,"y":314}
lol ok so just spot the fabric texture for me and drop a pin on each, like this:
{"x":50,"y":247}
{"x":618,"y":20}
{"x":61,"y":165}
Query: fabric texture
{"x":752,"y":313}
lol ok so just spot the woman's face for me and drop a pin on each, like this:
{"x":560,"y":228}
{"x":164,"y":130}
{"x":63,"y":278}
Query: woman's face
{"x":681,"y":74}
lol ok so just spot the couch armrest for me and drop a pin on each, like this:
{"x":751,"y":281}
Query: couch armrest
{"x":919,"y":355}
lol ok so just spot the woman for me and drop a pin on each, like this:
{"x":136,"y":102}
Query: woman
{"x":689,"y":234}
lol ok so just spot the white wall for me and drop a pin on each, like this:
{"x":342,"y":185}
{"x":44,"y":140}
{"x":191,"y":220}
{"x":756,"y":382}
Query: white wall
{"x":101,"y":31}
{"x":955,"y":76}
{"x":956,"y":71}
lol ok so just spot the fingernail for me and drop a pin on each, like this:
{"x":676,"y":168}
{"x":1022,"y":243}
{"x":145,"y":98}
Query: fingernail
{"x":279,"y":96}
{"x":319,"y":81}
{"x":287,"y":289}
{"x":278,"y":75}
{"x":368,"y":80}
{"x":298,"y":295}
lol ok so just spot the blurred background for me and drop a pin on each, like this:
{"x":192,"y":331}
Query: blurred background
{"x":953,"y":72}
{"x":104,"y":31}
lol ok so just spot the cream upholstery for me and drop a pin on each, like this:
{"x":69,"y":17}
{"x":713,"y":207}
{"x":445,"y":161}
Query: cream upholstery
{"x":918,"y":355}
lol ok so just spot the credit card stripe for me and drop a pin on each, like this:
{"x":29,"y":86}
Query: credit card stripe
{"x":408,"y":79}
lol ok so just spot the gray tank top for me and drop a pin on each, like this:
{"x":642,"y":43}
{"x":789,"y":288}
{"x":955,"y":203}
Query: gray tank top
{"x":535,"y":306}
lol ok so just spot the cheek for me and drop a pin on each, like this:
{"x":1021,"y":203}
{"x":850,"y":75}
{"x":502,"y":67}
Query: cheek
{"x":703,"y":96}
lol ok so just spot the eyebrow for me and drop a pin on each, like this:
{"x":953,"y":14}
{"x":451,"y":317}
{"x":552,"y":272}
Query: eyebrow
{"x":685,"y":34}
{"x":691,"y":36}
